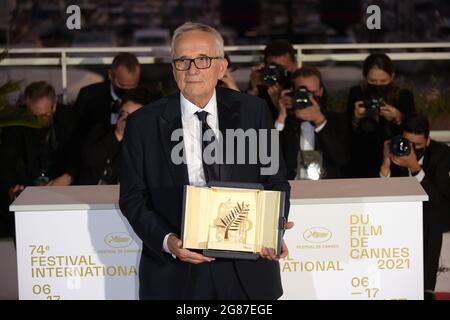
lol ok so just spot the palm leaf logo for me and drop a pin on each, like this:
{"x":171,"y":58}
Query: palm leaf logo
{"x":234,"y":219}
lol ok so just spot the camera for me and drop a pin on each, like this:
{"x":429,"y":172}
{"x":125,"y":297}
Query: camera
{"x":371,"y":117}
{"x":273,"y":74}
{"x":301,"y":98}
{"x":373,"y":104}
{"x":400,"y":146}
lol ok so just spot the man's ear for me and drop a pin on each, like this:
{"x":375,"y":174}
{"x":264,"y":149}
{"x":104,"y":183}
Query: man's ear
{"x":223,"y":66}
{"x":428,"y":141}
{"x":54,"y":106}
{"x":110,"y":75}
{"x":393,"y":76}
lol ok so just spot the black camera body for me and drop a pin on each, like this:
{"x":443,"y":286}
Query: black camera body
{"x":301,"y":98}
{"x":371,"y":117}
{"x":273,"y":74}
{"x":399,"y":146}
{"x":373,"y":104}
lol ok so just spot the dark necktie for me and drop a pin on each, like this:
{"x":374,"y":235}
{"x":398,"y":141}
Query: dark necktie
{"x":212,"y":171}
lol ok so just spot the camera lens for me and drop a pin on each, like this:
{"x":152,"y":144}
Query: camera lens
{"x":301,"y":98}
{"x":400,"y":146}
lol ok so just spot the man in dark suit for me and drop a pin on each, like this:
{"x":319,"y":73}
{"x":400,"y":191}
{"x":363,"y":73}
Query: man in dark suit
{"x":312,"y":129}
{"x":39,"y":156}
{"x":151,"y":189}
{"x":429,"y":162}
{"x":98,"y":103}
{"x":36,"y":156}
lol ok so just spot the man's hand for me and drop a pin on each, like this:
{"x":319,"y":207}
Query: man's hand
{"x":255,"y":79}
{"x":274,"y":92}
{"x":391,"y":113}
{"x":284,"y":103}
{"x":120,"y":125}
{"x":270,"y":254}
{"x":358,"y":112}
{"x":14,"y":192}
{"x":63,"y":180}
{"x":311,"y":113}
{"x":409,"y":161}
{"x":175,"y":247}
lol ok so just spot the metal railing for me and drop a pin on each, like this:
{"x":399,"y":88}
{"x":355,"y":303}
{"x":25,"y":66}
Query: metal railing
{"x":65,"y":57}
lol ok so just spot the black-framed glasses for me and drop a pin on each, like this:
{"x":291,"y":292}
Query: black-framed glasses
{"x":202,"y":62}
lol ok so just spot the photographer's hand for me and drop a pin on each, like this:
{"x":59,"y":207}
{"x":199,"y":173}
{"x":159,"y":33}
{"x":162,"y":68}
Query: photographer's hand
{"x":14,"y":192}
{"x":284,"y":103}
{"x":274,"y":93}
{"x":311,"y":113}
{"x":391,"y":113}
{"x":120,"y":125}
{"x":358,"y":113}
{"x":409,"y":161}
{"x":255,"y":79}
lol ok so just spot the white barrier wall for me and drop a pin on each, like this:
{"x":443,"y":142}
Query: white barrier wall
{"x":354,"y":251}
{"x":347,"y":243}
{"x":77,"y":254}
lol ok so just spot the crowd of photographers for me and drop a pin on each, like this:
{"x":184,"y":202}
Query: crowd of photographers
{"x":379,"y":136}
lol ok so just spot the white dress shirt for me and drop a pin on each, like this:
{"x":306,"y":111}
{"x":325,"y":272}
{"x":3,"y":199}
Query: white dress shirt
{"x":307,"y":136}
{"x":192,"y":139}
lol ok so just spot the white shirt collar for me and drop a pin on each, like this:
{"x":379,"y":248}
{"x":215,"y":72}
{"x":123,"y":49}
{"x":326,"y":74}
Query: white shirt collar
{"x":421,"y":160}
{"x":113,"y":94}
{"x":188,"y":109}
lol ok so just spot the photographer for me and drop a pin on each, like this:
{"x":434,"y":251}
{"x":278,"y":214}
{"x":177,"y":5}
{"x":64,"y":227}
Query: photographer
{"x":310,"y":134}
{"x":100,"y":153}
{"x":375,"y":110}
{"x":269,"y":79}
{"x":415,"y":154}
{"x":39,"y":156}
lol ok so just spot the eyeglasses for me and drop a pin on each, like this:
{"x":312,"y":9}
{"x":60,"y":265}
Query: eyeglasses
{"x":184,"y":64}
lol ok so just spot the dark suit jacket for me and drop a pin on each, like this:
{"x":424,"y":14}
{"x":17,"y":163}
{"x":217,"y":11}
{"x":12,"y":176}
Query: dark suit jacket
{"x":100,"y":145}
{"x":93,"y":106}
{"x":331,"y":141}
{"x":436,"y":165}
{"x":151,"y":191}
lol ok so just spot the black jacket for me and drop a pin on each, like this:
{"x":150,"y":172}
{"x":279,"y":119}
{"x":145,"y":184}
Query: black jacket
{"x":93,"y":106}
{"x":100,"y":156}
{"x":332,"y":141}
{"x":151,"y":191}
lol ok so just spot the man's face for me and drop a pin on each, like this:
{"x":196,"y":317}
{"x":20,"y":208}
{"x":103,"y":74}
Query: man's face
{"x":284,"y":60}
{"x":197,"y":85}
{"x":43,"y":108}
{"x":419,"y":140}
{"x":311,"y":83}
{"x":126,"y":79}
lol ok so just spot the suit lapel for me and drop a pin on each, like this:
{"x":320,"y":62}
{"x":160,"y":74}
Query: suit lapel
{"x":228,"y":112}
{"x":170,"y":121}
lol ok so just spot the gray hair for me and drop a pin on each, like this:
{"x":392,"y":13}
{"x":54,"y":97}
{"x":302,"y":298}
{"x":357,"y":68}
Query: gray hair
{"x":193,"y":26}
